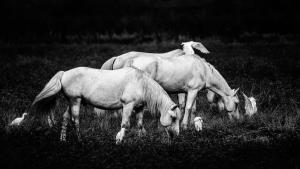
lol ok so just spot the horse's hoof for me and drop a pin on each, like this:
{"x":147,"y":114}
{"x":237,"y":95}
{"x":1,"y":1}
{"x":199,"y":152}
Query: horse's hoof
{"x":198,"y":129}
{"x":119,"y":138}
{"x":63,"y":139}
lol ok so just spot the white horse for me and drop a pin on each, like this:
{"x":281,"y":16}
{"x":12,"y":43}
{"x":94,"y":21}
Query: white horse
{"x":119,"y":62}
{"x":184,"y":74}
{"x":126,"y":88}
{"x":168,"y":70}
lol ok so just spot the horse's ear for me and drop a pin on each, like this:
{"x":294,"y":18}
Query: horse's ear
{"x":200,"y":47}
{"x":172,"y":114}
{"x":235,"y":91}
{"x":174,"y":107}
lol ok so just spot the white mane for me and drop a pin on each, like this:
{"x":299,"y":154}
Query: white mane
{"x":156,"y":98}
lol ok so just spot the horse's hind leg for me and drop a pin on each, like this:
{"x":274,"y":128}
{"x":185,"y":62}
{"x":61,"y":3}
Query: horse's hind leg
{"x":191,"y":96}
{"x":125,"y":124}
{"x":66,"y":119}
{"x":75,"y":107}
{"x":181,"y":101}
{"x":193,"y":113}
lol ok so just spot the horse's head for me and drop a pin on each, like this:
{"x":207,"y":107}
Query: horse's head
{"x":230,"y":104}
{"x":170,"y":120}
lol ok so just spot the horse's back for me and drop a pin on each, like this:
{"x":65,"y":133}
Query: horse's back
{"x":176,"y":52}
{"x":124,"y":59}
{"x":101,"y":88}
{"x":83,"y":78}
{"x":180,"y":73}
{"x":121,"y":60}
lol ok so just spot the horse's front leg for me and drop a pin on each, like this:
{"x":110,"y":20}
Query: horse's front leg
{"x":125,"y":124}
{"x":139,"y":116}
{"x":191,"y":96}
{"x":193,"y":113}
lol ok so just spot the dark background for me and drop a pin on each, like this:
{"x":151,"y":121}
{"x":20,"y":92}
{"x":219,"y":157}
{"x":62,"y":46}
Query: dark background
{"x":54,"y":20}
{"x":254,"y":44}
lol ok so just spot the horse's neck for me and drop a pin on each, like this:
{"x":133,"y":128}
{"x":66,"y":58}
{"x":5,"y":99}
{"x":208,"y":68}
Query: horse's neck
{"x":217,"y":83}
{"x":156,"y":97}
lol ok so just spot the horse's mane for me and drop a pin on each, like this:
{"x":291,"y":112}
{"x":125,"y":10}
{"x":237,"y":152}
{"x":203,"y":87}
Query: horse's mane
{"x":216,"y":74}
{"x":155,"y":96}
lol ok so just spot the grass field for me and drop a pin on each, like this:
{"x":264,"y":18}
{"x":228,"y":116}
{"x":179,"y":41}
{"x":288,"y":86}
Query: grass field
{"x":266,"y":69}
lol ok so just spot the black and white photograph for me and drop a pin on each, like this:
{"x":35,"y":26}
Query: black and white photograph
{"x":149,"y":84}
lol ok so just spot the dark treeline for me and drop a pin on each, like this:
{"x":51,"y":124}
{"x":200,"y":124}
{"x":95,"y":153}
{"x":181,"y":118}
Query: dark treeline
{"x":35,"y":18}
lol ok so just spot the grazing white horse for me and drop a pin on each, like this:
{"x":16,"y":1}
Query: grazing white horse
{"x":126,"y":88}
{"x":184,"y":74}
{"x":120,"y":61}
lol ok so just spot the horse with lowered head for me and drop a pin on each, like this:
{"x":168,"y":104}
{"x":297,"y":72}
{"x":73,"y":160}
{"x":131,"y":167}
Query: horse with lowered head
{"x":187,"y":74}
{"x":121,"y":61}
{"x":126,"y":88}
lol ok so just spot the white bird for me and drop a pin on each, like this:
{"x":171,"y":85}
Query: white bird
{"x":253,"y":103}
{"x":18,"y":121}
{"x":188,"y":47}
{"x":198,"y":123}
{"x":250,"y":105}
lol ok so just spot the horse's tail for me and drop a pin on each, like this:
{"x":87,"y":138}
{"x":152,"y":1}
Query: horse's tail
{"x":108,"y":65}
{"x":45,"y":100}
{"x":50,"y":89}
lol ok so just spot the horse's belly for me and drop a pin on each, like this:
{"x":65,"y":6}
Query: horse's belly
{"x":105,"y":95}
{"x":172,"y":84}
{"x":106,"y":100}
